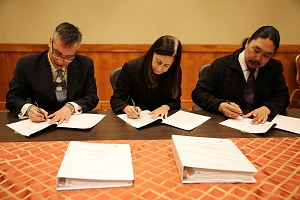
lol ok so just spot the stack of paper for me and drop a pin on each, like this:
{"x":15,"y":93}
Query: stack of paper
{"x":208,"y":160}
{"x":181,"y":119}
{"x":93,"y":165}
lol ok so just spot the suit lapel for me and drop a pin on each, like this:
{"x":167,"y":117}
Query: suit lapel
{"x":73,"y":74}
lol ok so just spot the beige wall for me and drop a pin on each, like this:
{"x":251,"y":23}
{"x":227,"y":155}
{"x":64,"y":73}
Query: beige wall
{"x":143,"y":21}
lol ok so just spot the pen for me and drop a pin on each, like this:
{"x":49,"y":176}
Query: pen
{"x":133,"y":103}
{"x":40,"y":111}
{"x":232,"y":105}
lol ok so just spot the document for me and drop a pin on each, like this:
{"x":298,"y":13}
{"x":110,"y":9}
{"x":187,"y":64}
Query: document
{"x":93,"y":165}
{"x":290,"y":124}
{"x":244,"y":125}
{"x":210,"y":160}
{"x":181,"y":119}
{"x":83,"y":121}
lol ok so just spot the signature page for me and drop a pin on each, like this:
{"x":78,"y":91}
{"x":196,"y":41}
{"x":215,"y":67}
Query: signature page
{"x":27,"y":127}
{"x":245,"y":125}
{"x":141,"y":121}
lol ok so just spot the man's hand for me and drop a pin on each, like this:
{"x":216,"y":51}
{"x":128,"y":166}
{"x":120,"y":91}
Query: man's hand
{"x":230,"y":109}
{"x":60,"y":116}
{"x":260,"y":115}
{"x":35,"y":115}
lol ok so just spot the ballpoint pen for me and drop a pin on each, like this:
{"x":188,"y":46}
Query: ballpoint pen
{"x":133,"y":103}
{"x":41,"y":111}
{"x":232,"y":105}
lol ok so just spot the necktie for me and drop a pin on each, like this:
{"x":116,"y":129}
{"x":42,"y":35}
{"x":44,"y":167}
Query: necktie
{"x":249,"y":95}
{"x":60,"y":87}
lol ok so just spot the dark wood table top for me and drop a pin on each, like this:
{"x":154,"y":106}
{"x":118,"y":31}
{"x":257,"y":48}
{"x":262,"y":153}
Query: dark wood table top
{"x":113,"y":128}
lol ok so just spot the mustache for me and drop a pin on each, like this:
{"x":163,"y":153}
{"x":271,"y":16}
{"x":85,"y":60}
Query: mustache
{"x":254,"y":62}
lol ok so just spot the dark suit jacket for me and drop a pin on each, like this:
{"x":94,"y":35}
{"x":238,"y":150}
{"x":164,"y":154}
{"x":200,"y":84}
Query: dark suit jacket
{"x":224,"y":80}
{"x":33,"y":80}
{"x":145,"y":98}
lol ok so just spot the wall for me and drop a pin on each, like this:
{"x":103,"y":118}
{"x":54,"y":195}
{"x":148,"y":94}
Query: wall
{"x":142,"y":22}
{"x":115,"y":31}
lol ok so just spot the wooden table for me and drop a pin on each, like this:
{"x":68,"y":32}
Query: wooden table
{"x":113,"y":128}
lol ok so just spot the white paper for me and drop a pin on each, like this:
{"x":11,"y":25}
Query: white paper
{"x":27,"y":127}
{"x":244,"y":125}
{"x":141,"y":121}
{"x":185,"y":120}
{"x":212,"y":160}
{"x":180,"y":119}
{"x":290,"y":124}
{"x":93,"y":165}
{"x":83,"y":121}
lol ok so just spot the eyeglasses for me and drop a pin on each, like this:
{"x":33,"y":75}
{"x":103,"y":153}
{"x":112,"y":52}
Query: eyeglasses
{"x":56,"y":54}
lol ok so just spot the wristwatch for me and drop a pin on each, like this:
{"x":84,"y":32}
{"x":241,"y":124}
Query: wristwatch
{"x":71,"y":107}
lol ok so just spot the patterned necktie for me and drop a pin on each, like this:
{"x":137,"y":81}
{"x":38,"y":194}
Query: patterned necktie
{"x":249,"y":95}
{"x":60,"y":90}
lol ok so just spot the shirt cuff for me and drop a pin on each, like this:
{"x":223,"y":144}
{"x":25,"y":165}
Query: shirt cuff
{"x":78,"y":108}
{"x":22,"y":114}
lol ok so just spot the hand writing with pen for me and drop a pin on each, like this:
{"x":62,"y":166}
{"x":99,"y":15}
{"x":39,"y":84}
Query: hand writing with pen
{"x":37,"y":114}
{"x":230,"y":109}
{"x":133,"y":111}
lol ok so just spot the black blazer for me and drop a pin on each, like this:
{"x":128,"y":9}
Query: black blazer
{"x":33,"y":80}
{"x":145,"y":98}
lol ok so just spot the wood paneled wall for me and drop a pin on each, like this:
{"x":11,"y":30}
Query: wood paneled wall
{"x":108,"y":57}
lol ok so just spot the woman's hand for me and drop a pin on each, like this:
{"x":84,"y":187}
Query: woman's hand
{"x":132,"y":112}
{"x":161,"y":111}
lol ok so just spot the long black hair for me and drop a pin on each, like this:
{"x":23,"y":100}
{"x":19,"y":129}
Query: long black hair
{"x":265,"y":32}
{"x":169,"y":81}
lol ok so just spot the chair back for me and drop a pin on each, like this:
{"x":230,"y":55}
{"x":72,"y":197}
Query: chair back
{"x":202,"y":70}
{"x":298,"y":70}
{"x":114,"y":76}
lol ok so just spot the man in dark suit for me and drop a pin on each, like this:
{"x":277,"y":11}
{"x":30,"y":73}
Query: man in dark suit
{"x":249,"y":79}
{"x":56,"y":80}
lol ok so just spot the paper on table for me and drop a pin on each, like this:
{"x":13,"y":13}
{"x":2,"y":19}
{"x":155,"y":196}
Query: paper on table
{"x":141,"y":121}
{"x":244,"y":125}
{"x":94,"y":165}
{"x":82,"y":121}
{"x":180,"y":119}
{"x":185,"y":120}
{"x":290,"y":124}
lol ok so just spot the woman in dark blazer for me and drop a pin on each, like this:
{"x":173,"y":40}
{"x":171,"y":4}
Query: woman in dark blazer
{"x":151,"y":82}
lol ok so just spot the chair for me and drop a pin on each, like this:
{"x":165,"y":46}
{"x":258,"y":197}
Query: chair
{"x":297,"y":90}
{"x":201,"y":72}
{"x":114,"y":76}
